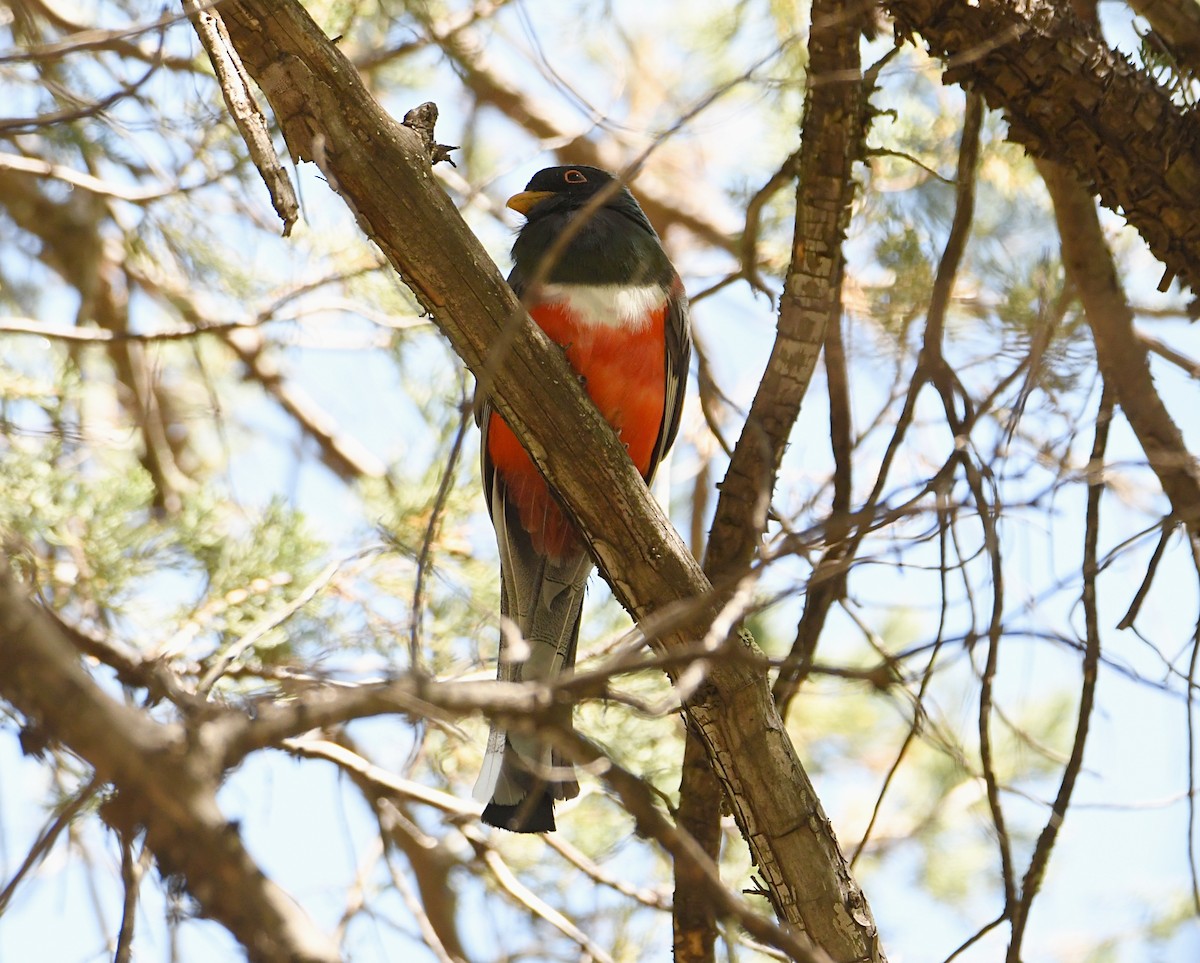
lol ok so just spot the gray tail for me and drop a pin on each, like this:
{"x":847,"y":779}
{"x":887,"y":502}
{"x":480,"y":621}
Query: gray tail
{"x":522,"y":775}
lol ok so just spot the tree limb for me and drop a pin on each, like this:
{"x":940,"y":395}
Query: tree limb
{"x":1122,"y":355}
{"x":1069,"y":97}
{"x":166,"y":783}
{"x":244,"y":109}
{"x":381,"y":170}
{"x":832,"y":143}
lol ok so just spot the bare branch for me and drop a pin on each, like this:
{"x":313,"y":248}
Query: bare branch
{"x":832,"y":144}
{"x":87,"y":182}
{"x":41,"y":847}
{"x":165,"y":784}
{"x":1091,"y":662}
{"x":1121,"y":355}
{"x":235,"y":88}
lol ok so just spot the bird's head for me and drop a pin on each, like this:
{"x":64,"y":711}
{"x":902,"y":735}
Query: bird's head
{"x":562,"y":188}
{"x":614,"y":244}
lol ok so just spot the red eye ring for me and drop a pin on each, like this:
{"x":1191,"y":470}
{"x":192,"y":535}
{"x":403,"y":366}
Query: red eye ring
{"x":574,"y":177}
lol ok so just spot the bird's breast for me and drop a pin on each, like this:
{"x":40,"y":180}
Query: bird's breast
{"x":605,"y":305}
{"x":614,"y":338}
{"x":620,"y":355}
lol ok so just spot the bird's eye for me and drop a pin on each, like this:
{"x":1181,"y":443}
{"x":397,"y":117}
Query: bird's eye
{"x":574,"y":177}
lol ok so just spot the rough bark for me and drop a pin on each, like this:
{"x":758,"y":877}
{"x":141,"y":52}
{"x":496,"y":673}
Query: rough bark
{"x":1069,"y":97}
{"x":693,"y":917}
{"x":832,"y":143}
{"x":382,"y":171}
{"x":167,"y":783}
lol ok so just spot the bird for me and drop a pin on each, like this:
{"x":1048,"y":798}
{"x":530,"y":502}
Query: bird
{"x":611,"y":298}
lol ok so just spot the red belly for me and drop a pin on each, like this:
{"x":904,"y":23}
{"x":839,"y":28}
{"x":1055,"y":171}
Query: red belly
{"x":624,"y":372}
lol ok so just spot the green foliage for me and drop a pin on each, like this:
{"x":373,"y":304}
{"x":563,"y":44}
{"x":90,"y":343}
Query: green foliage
{"x":249,"y":566}
{"x":87,"y":537}
{"x":902,"y":300}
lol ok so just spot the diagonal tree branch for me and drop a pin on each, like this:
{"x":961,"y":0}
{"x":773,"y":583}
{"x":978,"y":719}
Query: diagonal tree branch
{"x":382,"y":171}
{"x":166,"y":783}
{"x":251,"y":124}
{"x":1070,"y":97}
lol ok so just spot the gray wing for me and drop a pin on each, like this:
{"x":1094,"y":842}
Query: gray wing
{"x":678,"y":355}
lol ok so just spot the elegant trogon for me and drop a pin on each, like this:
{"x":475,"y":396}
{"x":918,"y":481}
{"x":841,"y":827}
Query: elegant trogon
{"x":613,"y":301}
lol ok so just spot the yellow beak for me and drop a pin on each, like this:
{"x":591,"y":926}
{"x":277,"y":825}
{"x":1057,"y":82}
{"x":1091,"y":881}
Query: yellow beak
{"x":524,"y":201}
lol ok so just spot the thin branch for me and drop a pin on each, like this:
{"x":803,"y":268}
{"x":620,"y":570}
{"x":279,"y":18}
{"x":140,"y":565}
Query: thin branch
{"x":67,"y":811}
{"x":529,"y":899}
{"x":57,"y":118}
{"x":76,"y":335}
{"x":1139,"y":597}
{"x":131,"y":878}
{"x":1193,"y":662}
{"x":1121,"y":356}
{"x":920,"y":716}
{"x":987,"y":682}
{"x":639,"y":801}
{"x":167,"y":784}
{"x":462,"y":45}
{"x":931,"y":366}
{"x":1091,"y":661}
{"x":385,"y":782}
{"x":251,"y":123}
{"x":391,"y":826}
{"x":271,"y":620}
{"x":1189,"y":365}
{"x":832,"y":143}
{"x":87,"y":182}
{"x":82,"y":40}
{"x":650,"y":898}
{"x":431,"y":530}
{"x":975,"y":938}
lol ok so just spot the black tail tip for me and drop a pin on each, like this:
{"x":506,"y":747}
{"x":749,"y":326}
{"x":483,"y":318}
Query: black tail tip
{"x":527,"y":816}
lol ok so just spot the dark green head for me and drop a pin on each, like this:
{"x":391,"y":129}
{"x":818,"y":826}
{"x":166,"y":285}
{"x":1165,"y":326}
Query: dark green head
{"x":617,"y":245}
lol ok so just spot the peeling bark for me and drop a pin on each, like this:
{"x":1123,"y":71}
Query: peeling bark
{"x":1068,"y":97}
